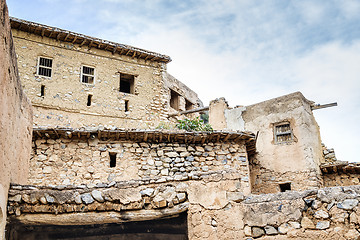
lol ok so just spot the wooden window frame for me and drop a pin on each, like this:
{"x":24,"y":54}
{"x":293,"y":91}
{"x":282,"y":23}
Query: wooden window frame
{"x":88,"y":75}
{"x":278,"y":134}
{"x":38,"y":67}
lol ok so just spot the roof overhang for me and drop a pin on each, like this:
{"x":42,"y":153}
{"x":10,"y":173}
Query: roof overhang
{"x":155,"y":136}
{"x":83,"y":40}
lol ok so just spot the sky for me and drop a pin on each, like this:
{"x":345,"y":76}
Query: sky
{"x":247,"y":51}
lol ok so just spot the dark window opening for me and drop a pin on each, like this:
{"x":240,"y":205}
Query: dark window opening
{"x":88,"y":75}
{"x":127,"y":83}
{"x":112,"y":159}
{"x":45,"y":67}
{"x":42,"y":91}
{"x":283,"y":133}
{"x":89,"y":100}
{"x":285,"y":187}
{"x":188,"y":105}
{"x":126,"y":105}
{"x":174,"y":100}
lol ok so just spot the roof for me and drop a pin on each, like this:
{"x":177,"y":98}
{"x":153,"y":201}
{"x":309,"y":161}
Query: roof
{"x":339,"y":167}
{"x":156,"y":136}
{"x":72,"y":37}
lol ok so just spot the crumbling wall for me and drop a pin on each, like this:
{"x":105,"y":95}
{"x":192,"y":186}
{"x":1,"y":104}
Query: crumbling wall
{"x":15,"y":118}
{"x":283,"y":160}
{"x":216,"y":208}
{"x":65,"y":97}
{"x":82,"y":161}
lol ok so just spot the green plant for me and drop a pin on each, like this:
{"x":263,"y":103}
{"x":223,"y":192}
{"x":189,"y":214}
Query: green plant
{"x":196,"y":124}
{"x":163,"y":125}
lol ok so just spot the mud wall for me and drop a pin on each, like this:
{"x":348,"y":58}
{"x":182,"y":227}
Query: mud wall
{"x":15,"y":118}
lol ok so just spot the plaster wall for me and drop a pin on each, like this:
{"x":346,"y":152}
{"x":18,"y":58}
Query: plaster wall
{"x":300,"y":156}
{"x":15,"y":118}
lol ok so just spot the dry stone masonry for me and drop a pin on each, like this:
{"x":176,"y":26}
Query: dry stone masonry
{"x":92,"y":157}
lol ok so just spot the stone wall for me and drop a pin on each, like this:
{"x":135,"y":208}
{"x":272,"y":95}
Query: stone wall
{"x":62,"y":99}
{"x":216,"y":208}
{"x":15,"y":118}
{"x":87,"y":159}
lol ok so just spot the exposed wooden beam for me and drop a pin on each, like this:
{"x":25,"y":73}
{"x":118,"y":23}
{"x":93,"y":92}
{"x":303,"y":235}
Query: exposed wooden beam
{"x":189,"y":111}
{"x":67,"y":35}
{"x":43,"y":32}
{"x":318,"y":106}
{"x":83,"y":42}
{"x":114,"y":50}
{"x":74,"y":40}
{"x":127,"y":52}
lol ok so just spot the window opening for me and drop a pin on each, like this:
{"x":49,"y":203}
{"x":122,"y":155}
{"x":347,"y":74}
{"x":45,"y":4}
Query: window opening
{"x":126,"y":105}
{"x":188,"y":105}
{"x":127,"y":83}
{"x":283,"y":133}
{"x":89,"y":100}
{"x":87,"y":74}
{"x":44,"y":67}
{"x":112,"y":159}
{"x":42,"y":91}
{"x":174,"y":99}
{"x":285,"y":187}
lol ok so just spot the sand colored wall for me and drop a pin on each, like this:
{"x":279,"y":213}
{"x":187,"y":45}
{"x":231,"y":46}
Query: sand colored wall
{"x":65,"y":101}
{"x":15,"y":118}
{"x":301,"y":156}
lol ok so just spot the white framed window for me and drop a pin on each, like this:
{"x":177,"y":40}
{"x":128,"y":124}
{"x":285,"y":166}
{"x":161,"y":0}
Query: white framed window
{"x":44,"y":67}
{"x":283,"y":133}
{"x":87,"y":74}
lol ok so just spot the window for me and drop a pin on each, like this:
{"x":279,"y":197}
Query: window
{"x":188,"y":105}
{"x":174,"y":100}
{"x":87,"y":74}
{"x":42,"y":91}
{"x":112,"y":159}
{"x":127,"y":83}
{"x":126,"y":105}
{"x":44,"y":67}
{"x":285,"y":187}
{"x":283,"y":133}
{"x":89,"y":100}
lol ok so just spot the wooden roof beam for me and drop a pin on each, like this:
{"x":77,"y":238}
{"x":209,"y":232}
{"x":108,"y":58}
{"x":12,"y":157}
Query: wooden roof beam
{"x":83,"y":42}
{"x":74,"y":40}
{"x":67,"y":35}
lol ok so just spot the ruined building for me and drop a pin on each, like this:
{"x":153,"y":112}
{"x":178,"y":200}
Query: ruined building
{"x":98,"y":168}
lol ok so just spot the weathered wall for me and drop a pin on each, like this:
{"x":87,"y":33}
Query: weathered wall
{"x":64,"y":91}
{"x":83,"y":161}
{"x":15,"y":118}
{"x":216,"y":208}
{"x":284,"y":160}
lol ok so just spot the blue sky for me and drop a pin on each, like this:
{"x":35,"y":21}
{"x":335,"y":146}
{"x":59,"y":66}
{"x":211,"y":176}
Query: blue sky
{"x":244,"y":50}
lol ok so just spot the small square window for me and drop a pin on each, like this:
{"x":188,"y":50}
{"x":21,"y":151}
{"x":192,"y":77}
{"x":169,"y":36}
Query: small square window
{"x":285,"y":187}
{"x":174,"y":99}
{"x":44,"y":67}
{"x":127,"y":83}
{"x":188,"y":105}
{"x":87,"y":74}
{"x":283,"y":133}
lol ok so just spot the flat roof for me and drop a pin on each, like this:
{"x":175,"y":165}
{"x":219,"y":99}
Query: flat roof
{"x":154,"y":136}
{"x":81,"y":39}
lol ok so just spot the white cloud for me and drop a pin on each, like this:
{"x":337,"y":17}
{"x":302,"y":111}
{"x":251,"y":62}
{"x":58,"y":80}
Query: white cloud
{"x":246,"y":51}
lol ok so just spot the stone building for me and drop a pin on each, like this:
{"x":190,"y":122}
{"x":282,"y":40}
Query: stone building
{"x":76,"y":81}
{"x":288,"y":142}
{"x":91,"y":176}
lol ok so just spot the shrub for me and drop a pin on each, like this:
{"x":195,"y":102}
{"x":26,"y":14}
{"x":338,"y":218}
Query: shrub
{"x":194,"y":125}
